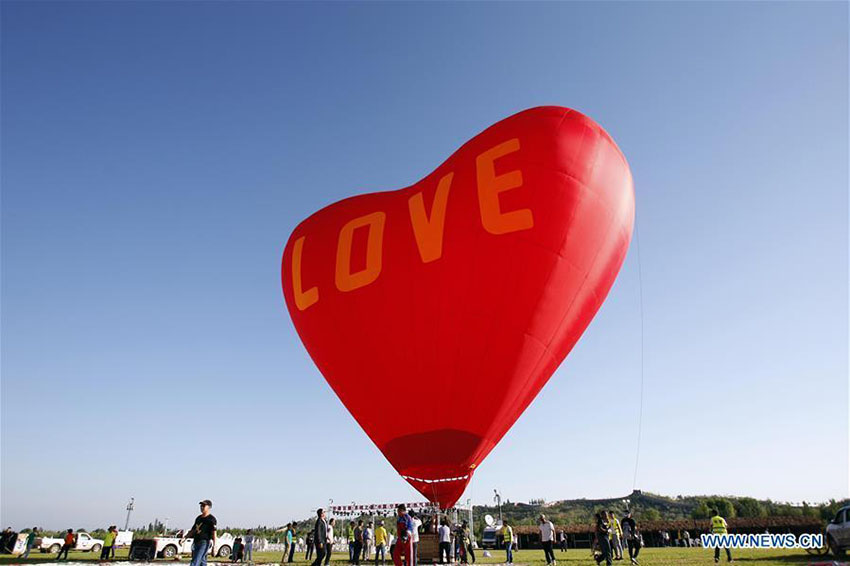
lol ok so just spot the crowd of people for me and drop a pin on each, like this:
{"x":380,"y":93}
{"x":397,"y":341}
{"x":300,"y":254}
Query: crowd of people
{"x":609,"y":535}
{"x":369,"y":541}
{"x":365,"y":539}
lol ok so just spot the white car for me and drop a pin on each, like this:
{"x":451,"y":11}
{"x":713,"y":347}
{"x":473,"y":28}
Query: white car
{"x":85,"y":542}
{"x":169,"y":547}
{"x":838,"y":532}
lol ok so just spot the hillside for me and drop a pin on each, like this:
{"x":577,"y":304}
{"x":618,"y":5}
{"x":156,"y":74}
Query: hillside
{"x":652,"y":507}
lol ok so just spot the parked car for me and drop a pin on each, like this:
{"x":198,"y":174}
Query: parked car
{"x":172,"y":546}
{"x":490,"y":536}
{"x":838,"y":532}
{"x":84,"y":542}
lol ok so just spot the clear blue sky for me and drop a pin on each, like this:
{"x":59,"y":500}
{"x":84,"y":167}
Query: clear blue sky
{"x":157,"y":155}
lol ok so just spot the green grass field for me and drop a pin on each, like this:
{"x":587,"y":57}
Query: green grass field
{"x":573,"y":557}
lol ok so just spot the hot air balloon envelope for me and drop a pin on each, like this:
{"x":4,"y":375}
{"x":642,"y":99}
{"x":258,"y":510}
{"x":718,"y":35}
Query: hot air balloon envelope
{"x":437,"y":312}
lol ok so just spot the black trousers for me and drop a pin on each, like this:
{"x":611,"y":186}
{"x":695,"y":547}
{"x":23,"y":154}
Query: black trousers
{"x":358,"y":549}
{"x":64,"y":550}
{"x":105,"y":552}
{"x":547,"y":550}
{"x":380,"y":549}
{"x":717,"y":554}
{"x":329,"y":548}
{"x":604,"y":548}
{"x":320,"y":555}
{"x":634,"y":548}
{"x":291,"y":551}
{"x":471,"y":552}
{"x":309,"y":551}
{"x":445,"y":547}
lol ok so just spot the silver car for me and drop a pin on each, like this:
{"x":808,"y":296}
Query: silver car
{"x":838,"y":532}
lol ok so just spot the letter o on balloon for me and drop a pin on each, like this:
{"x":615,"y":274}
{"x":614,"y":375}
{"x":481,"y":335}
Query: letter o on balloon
{"x":344,"y":278}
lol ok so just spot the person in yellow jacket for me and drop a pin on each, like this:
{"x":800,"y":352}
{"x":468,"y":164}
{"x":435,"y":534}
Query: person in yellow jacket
{"x":719,"y":527}
{"x":508,"y":534}
{"x":616,"y":536}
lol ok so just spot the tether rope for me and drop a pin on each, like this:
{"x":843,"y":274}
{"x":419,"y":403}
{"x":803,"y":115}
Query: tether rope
{"x":640,"y":414}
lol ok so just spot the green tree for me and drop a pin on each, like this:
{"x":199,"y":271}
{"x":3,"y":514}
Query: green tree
{"x":722,"y":506}
{"x":749,"y":507}
{"x":650,"y":514}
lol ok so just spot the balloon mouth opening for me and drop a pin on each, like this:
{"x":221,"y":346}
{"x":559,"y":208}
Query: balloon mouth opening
{"x":443,"y":455}
{"x":443,"y":491}
{"x":437,"y":480}
{"x":437,"y":463}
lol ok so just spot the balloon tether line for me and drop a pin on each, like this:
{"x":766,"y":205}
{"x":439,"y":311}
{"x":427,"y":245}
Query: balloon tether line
{"x":640,"y":413}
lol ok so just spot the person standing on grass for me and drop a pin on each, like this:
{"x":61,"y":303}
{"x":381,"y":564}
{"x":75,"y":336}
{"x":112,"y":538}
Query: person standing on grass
{"x":630,"y":532}
{"x":381,"y":543}
{"x":444,"y":535}
{"x":67,"y":545}
{"x":249,"y":545}
{"x":467,"y":542}
{"x":330,"y":542}
{"x":320,"y":537}
{"x":508,"y":535}
{"x":616,"y":536}
{"x":601,"y":530}
{"x":202,"y":534}
{"x":350,"y":536}
{"x":30,"y":542}
{"x":417,"y":522}
{"x":547,"y":537}
{"x":719,"y":527}
{"x":290,"y":540}
{"x":358,"y":542}
{"x":563,"y":541}
{"x":367,"y":540}
{"x":108,"y":542}
{"x":403,"y":549}
{"x":310,"y":543}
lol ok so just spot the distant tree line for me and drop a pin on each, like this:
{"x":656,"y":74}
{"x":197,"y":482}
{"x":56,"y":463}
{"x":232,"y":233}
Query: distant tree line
{"x":645,"y":506}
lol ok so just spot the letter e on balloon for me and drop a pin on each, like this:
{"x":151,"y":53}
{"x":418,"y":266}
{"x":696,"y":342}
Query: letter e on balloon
{"x":490,"y":185}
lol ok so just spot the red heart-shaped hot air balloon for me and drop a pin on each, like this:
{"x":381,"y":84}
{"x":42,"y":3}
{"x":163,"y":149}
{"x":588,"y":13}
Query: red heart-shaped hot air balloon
{"x":437,"y":312}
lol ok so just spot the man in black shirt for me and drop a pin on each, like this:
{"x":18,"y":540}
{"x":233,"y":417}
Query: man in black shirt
{"x":631,"y":534}
{"x":320,"y":537}
{"x":602,"y":531}
{"x":358,"y":542}
{"x":202,"y":534}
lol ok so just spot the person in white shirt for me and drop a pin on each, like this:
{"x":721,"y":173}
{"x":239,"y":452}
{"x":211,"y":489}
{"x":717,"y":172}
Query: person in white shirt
{"x":367,"y":541}
{"x":417,"y":522}
{"x":330,"y":546}
{"x":444,"y":534}
{"x":547,"y":537}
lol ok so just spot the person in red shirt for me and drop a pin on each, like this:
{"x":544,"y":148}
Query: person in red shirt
{"x":69,"y":544}
{"x":404,"y":538}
